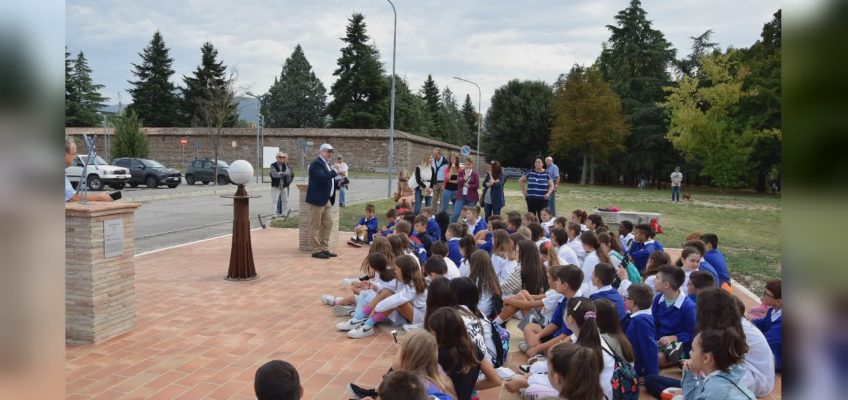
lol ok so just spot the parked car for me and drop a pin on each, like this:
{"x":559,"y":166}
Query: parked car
{"x":148,"y":172}
{"x":513,"y":172}
{"x":98,"y":173}
{"x":203,"y":170}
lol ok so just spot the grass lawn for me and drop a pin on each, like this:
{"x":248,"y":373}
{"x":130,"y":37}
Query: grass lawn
{"x":748,"y":226}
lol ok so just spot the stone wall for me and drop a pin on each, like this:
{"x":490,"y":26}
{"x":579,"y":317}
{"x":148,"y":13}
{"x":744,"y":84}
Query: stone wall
{"x":364,"y":150}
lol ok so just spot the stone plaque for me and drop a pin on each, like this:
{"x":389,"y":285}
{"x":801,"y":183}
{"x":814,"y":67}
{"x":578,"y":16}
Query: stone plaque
{"x":113,"y":237}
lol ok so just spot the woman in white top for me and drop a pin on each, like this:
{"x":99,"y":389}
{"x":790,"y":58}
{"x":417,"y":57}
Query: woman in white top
{"x":594,"y":255}
{"x":559,"y":238}
{"x":484,"y":279}
{"x":573,"y":232}
{"x":341,"y":166}
{"x":425,"y":178}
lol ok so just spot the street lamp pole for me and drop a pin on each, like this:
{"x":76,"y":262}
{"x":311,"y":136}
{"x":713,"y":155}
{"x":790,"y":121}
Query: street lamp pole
{"x":392,"y":112}
{"x":479,"y":115}
{"x":258,"y":125}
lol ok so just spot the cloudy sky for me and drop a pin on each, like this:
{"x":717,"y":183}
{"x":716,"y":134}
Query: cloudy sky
{"x":483,"y":41}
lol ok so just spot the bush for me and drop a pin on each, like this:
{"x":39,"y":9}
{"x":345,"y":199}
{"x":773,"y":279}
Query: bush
{"x":129,"y":140}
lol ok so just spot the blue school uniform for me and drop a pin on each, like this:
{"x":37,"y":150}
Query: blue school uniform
{"x":772,"y":327}
{"x":433,"y":229}
{"x":611,"y":294}
{"x":389,"y":229}
{"x":371,"y":224}
{"x":453,"y":251}
{"x":558,"y":319}
{"x":639,"y":329}
{"x":677,"y":319}
{"x":640,"y":252}
{"x":717,"y":260}
{"x":706,"y":267}
{"x":479,"y":226}
{"x":488,"y":245}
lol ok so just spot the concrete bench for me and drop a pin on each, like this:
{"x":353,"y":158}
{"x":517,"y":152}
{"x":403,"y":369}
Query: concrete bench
{"x":636,"y":217}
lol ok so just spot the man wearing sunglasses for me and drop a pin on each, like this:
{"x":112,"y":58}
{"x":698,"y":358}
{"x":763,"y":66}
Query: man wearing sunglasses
{"x":281,"y":178}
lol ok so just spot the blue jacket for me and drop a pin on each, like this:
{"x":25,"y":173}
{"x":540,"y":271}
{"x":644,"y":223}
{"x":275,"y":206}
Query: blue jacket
{"x":320,"y":184}
{"x":488,"y":245}
{"x":453,"y":252}
{"x":640,"y":252}
{"x":677,"y":319}
{"x":642,"y":334}
{"x":497,"y":192}
{"x":613,"y":296}
{"x":389,"y":229}
{"x":434,"y":229}
{"x":706,"y":267}
{"x":725,"y":385}
{"x":717,"y":260}
{"x":372,"y":225}
{"x":773,"y":330}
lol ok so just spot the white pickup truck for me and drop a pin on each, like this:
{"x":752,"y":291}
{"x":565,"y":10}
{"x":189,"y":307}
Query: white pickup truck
{"x":99,"y":175}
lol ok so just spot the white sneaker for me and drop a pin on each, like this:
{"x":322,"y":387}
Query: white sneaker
{"x":522,"y":346}
{"x":412,"y":327}
{"x":361,"y":331}
{"x":350,"y":324}
{"x":349,"y":281}
{"x":343,"y":311}
{"x":329,"y":299}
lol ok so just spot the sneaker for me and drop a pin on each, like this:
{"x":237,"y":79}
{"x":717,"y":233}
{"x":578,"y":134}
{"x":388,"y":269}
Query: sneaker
{"x":349,"y":281}
{"x":361,"y":331}
{"x":360,"y":392}
{"x":412,"y":327}
{"x":353,"y":243}
{"x":525,"y":368}
{"x":343,"y":311}
{"x":328,"y":299}
{"x":523,"y":346}
{"x":350,"y":324}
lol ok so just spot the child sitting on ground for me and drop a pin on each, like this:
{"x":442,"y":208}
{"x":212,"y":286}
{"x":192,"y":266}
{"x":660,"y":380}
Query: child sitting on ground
{"x":714,"y":370}
{"x":674,"y":316}
{"x":639,"y":328}
{"x":366,"y":228}
{"x":698,"y":281}
{"x":772,"y":324}
{"x":513,"y":223}
{"x":432,"y":226}
{"x":389,"y":228}
{"x":423,"y":234}
{"x":440,"y":248}
{"x":547,"y":220}
{"x":454,"y":234}
{"x":567,"y":283}
{"x":716,"y":258}
{"x":643,"y":246}
{"x":435,"y":267}
{"x":625,"y":235}
{"x":602,"y":279}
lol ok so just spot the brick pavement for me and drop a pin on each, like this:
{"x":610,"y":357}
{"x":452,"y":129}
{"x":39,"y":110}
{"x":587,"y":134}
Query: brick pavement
{"x":200,"y":336}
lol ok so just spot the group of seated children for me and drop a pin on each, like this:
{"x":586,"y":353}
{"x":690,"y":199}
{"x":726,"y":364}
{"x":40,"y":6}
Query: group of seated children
{"x":583,"y":313}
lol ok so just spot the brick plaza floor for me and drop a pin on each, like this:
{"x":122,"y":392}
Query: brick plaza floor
{"x":199,"y":336}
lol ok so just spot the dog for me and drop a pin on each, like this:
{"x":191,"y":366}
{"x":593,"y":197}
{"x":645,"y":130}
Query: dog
{"x":687,"y":196}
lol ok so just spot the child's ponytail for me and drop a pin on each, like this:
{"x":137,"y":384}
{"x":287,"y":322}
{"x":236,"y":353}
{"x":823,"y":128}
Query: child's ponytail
{"x":579,"y":367}
{"x":582,"y":309}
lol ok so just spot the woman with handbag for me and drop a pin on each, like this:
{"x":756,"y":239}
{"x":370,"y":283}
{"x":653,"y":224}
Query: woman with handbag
{"x":425,"y":176}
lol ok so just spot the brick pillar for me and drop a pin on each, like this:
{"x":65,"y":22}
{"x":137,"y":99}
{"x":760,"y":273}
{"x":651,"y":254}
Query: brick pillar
{"x":303,"y":222}
{"x":99,"y":271}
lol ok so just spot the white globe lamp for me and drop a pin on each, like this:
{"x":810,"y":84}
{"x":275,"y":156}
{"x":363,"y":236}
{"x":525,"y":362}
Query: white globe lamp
{"x":241,"y":172}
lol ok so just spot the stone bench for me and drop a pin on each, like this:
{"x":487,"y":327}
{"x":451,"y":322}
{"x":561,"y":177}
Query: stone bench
{"x":636,"y":217}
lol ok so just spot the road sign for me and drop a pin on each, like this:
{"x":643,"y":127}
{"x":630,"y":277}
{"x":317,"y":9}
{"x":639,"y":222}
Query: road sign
{"x":465,"y":150}
{"x":183,"y":141}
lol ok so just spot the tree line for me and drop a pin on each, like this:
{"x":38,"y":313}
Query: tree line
{"x":635,"y":113}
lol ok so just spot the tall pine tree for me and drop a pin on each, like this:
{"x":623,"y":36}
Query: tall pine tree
{"x":432,"y":99}
{"x":469,"y":114}
{"x":410,"y":113}
{"x":360,"y":90}
{"x":210,"y":73}
{"x":82,"y":98}
{"x":154,"y":97}
{"x":518,"y":123}
{"x":450,"y":119}
{"x":635,"y":62}
{"x":297,"y":99}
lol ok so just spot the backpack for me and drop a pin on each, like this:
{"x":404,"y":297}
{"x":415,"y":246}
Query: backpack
{"x":625,"y":381}
{"x":497,"y":306}
{"x":418,"y":249}
{"x":500,"y":337}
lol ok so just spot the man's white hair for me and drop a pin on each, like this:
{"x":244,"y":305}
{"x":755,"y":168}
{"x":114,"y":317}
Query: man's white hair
{"x":549,"y":158}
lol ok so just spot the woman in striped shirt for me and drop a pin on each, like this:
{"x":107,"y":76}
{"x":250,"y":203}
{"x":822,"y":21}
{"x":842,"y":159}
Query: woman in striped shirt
{"x":538,"y":188}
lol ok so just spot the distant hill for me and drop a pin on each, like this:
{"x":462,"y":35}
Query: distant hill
{"x":248,"y":108}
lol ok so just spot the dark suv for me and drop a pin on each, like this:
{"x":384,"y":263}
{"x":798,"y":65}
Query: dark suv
{"x":149,"y":172}
{"x":204,"y":171}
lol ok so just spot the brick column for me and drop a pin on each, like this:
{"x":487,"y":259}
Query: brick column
{"x":99,"y":271}
{"x":303,"y":222}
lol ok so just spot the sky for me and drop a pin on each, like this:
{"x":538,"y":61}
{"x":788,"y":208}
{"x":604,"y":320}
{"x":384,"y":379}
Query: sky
{"x":487,"y":42}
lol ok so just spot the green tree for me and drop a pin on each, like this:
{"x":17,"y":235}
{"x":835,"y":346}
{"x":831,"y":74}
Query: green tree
{"x":701,"y":46}
{"x":360,"y":90}
{"x":432,"y":100}
{"x":210,"y":72}
{"x":588,"y":117}
{"x":518,"y":123}
{"x":454,"y":129}
{"x":129,"y":139}
{"x":469,"y":115}
{"x":762,"y":110}
{"x":635,"y":61}
{"x":154,"y":97}
{"x":703,"y":123}
{"x":83,"y":100}
{"x":298,"y":98}
{"x":410,"y":113}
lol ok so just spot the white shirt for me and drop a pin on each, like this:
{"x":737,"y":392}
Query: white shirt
{"x":340,"y":168}
{"x":453,"y":271}
{"x":464,"y":268}
{"x":547,"y":225}
{"x":567,"y":254}
{"x":758,"y":362}
{"x":626,"y":241}
{"x":606,"y":372}
{"x":549,"y":304}
{"x":503,"y":267}
{"x":588,"y":269}
{"x":577,"y":246}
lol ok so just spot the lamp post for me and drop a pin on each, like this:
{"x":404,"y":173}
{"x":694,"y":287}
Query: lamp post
{"x":479,"y":116}
{"x":258,"y":128}
{"x":105,"y":134}
{"x":392,"y":108}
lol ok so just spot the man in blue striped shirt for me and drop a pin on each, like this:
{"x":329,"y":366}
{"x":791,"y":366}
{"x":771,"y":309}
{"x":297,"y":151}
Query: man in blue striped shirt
{"x":553,"y":172}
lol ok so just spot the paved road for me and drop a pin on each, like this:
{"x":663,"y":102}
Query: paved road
{"x":185,"y":214}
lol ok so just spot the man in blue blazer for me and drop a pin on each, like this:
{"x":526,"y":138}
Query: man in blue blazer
{"x":320,"y":197}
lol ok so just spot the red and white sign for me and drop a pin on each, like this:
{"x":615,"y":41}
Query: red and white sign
{"x":183,"y":140}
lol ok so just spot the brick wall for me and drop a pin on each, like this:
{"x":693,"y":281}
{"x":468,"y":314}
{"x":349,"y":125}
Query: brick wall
{"x":364,"y":150}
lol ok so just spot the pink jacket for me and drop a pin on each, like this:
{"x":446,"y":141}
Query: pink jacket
{"x":473,"y":185}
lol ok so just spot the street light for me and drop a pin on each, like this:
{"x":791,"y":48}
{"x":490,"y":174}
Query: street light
{"x":479,"y":115}
{"x":392,"y":112}
{"x":105,"y":134}
{"x":258,"y":125}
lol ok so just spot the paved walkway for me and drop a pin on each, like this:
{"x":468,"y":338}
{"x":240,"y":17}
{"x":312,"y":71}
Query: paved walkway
{"x":202,"y":337}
